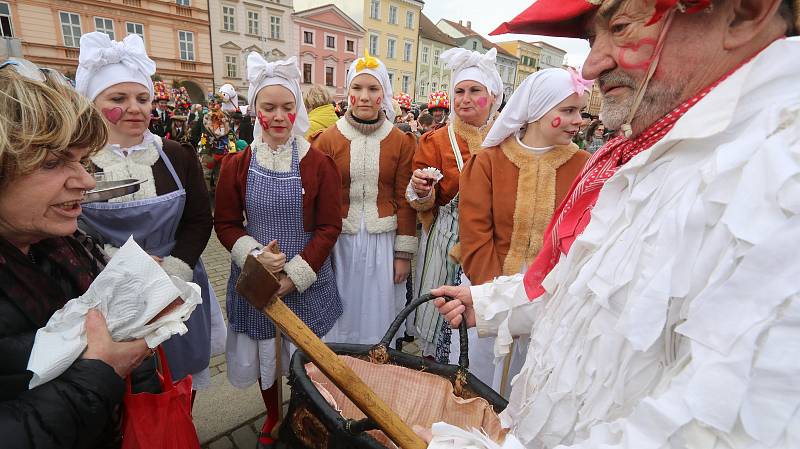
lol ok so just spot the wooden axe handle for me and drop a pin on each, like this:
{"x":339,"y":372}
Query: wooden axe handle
{"x":259,"y":287}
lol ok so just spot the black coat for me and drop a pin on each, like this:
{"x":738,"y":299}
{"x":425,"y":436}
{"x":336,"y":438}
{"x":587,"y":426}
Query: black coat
{"x":78,"y":409}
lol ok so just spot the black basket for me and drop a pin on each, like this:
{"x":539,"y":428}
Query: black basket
{"x":311,"y":423}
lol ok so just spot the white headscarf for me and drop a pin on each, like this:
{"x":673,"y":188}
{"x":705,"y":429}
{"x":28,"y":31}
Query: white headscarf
{"x":536,"y":96}
{"x":103,"y":63}
{"x":466,"y":65}
{"x":375,"y":67}
{"x":261,"y":73}
{"x":230,"y":101}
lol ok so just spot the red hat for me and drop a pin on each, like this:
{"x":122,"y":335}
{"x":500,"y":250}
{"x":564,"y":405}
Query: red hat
{"x":565,"y":18}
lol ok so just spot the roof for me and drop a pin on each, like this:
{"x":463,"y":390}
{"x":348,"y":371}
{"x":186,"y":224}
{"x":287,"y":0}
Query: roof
{"x":306,"y":14}
{"x":545,"y":44}
{"x":429,"y":30}
{"x":487,"y":44}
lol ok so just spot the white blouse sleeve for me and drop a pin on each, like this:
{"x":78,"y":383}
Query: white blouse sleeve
{"x":502,"y":308}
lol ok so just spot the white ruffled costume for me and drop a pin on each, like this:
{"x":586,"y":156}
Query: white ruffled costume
{"x":674,"y":321}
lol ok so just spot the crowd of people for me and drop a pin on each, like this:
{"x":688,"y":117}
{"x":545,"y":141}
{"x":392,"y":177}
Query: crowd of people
{"x":610,"y":268}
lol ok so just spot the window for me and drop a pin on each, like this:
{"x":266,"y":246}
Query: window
{"x":231,"y":67}
{"x":135,"y":28}
{"x":329,"y":76}
{"x":375,"y":10}
{"x":253,"y":23}
{"x":307,"y":73}
{"x":104,"y":26}
{"x":275,"y":27}
{"x":183,"y":2}
{"x":425,"y":51}
{"x":393,"y":15}
{"x":422,"y":90}
{"x":436,"y":56}
{"x":474,"y":45}
{"x":71,"y":29}
{"x":350,"y":45}
{"x":406,"y":83}
{"x":407,"y":52}
{"x":228,"y":18}
{"x":186,"y":44}
{"x":390,"y":44}
{"x":330,"y":42}
{"x":391,"y":78}
{"x":6,"y":30}
{"x":308,"y":37}
{"x":373,"y":44}
{"x":410,"y":19}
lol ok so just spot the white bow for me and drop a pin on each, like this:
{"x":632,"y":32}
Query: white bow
{"x":259,"y":69}
{"x":466,"y":64}
{"x":458,"y":59}
{"x":98,"y":51}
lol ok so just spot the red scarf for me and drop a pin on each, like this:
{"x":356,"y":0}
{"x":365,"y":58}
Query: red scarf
{"x":572,"y":216}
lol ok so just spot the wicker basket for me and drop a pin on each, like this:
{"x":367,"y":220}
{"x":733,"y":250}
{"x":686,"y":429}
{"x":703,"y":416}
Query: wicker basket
{"x":320,"y":417}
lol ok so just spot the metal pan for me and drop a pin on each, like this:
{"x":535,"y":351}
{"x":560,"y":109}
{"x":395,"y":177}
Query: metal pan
{"x":106,"y":190}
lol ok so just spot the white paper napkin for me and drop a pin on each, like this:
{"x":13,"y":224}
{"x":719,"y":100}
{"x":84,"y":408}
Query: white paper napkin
{"x":129,"y":292}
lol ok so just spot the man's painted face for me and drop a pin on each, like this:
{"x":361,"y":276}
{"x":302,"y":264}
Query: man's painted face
{"x":622,"y":49}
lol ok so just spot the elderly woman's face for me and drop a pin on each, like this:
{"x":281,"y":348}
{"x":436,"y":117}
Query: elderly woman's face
{"x":472,"y":102}
{"x":125,"y":108}
{"x":45,"y":203}
{"x":366,"y":96}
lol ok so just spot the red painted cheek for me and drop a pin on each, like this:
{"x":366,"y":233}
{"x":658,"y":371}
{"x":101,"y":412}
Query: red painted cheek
{"x":378,"y":101}
{"x":482,"y":102}
{"x":263,"y":121}
{"x":556,"y":122}
{"x":113,"y":115}
{"x":292,"y":117}
{"x":352,"y":100}
{"x":638,"y":55}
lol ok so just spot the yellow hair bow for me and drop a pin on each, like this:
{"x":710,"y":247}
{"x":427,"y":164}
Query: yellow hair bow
{"x":367,"y":62}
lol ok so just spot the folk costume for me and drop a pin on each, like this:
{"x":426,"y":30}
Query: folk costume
{"x":374,"y":161}
{"x":169,"y":216}
{"x":446,"y":150}
{"x":290,"y":194}
{"x":668,"y":317}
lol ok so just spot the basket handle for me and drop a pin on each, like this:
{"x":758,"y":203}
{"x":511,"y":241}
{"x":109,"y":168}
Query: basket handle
{"x":463,"y":356}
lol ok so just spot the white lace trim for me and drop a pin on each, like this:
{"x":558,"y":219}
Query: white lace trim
{"x":137,"y":165}
{"x":279,"y":159}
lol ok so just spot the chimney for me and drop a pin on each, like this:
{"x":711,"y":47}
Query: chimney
{"x":469,"y":24}
{"x":460,"y":24}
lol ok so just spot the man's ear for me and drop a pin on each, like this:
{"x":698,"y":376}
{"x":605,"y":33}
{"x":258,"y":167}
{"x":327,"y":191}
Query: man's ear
{"x":747,"y":19}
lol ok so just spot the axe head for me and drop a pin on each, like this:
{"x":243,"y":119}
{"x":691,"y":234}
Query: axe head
{"x":256,"y":284}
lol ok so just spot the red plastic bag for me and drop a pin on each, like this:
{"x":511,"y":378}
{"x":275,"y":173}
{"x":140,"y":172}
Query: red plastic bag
{"x":162,"y":420}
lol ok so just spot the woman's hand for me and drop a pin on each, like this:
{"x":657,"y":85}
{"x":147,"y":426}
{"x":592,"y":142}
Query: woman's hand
{"x":422,"y":183}
{"x":271,"y":258}
{"x":402,"y":268}
{"x":123,"y":357}
{"x":287,"y":286}
{"x":461,"y":304}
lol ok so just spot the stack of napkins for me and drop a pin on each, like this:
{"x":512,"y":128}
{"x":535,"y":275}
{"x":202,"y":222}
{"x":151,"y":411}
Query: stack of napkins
{"x":129,"y":292}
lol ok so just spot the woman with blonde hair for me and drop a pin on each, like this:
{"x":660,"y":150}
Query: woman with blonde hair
{"x":321,"y":112}
{"x":48,"y":132}
{"x":372,"y":258}
{"x":170,"y":215}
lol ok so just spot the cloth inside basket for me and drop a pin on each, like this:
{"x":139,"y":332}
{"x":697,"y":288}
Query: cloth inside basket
{"x":417,"y":397}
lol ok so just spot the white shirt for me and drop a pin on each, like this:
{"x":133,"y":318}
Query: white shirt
{"x":674,"y":321}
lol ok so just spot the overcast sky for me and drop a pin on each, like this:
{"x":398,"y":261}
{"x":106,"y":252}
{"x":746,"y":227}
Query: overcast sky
{"x":485,"y":19}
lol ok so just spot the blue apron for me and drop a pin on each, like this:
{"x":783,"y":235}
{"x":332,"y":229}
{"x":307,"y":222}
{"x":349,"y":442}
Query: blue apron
{"x":274,"y":211}
{"x":153,"y":223}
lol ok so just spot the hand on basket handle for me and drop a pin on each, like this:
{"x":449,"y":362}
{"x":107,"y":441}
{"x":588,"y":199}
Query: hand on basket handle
{"x":461,"y":304}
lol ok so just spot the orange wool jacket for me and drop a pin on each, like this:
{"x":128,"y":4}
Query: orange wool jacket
{"x":508,"y":196}
{"x":375,"y":170}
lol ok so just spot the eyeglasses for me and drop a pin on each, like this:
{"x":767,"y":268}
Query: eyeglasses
{"x":35,"y":73}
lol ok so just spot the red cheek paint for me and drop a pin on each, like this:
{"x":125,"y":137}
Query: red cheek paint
{"x":482,"y":102}
{"x":352,"y":100}
{"x":263,"y":121}
{"x":556,"y":122}
{"x":638,"y":55}
{"x":113,"y":115}
{"x":292,"y":117}
{"x":378,"y":101}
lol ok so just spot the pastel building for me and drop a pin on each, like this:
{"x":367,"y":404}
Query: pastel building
{"x":431,"y":73}
{"x":326,"y":41}
{"x":528,"y":55}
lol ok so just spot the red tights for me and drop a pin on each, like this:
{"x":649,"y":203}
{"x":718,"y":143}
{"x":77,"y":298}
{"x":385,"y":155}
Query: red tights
{"x":270,"y":396}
